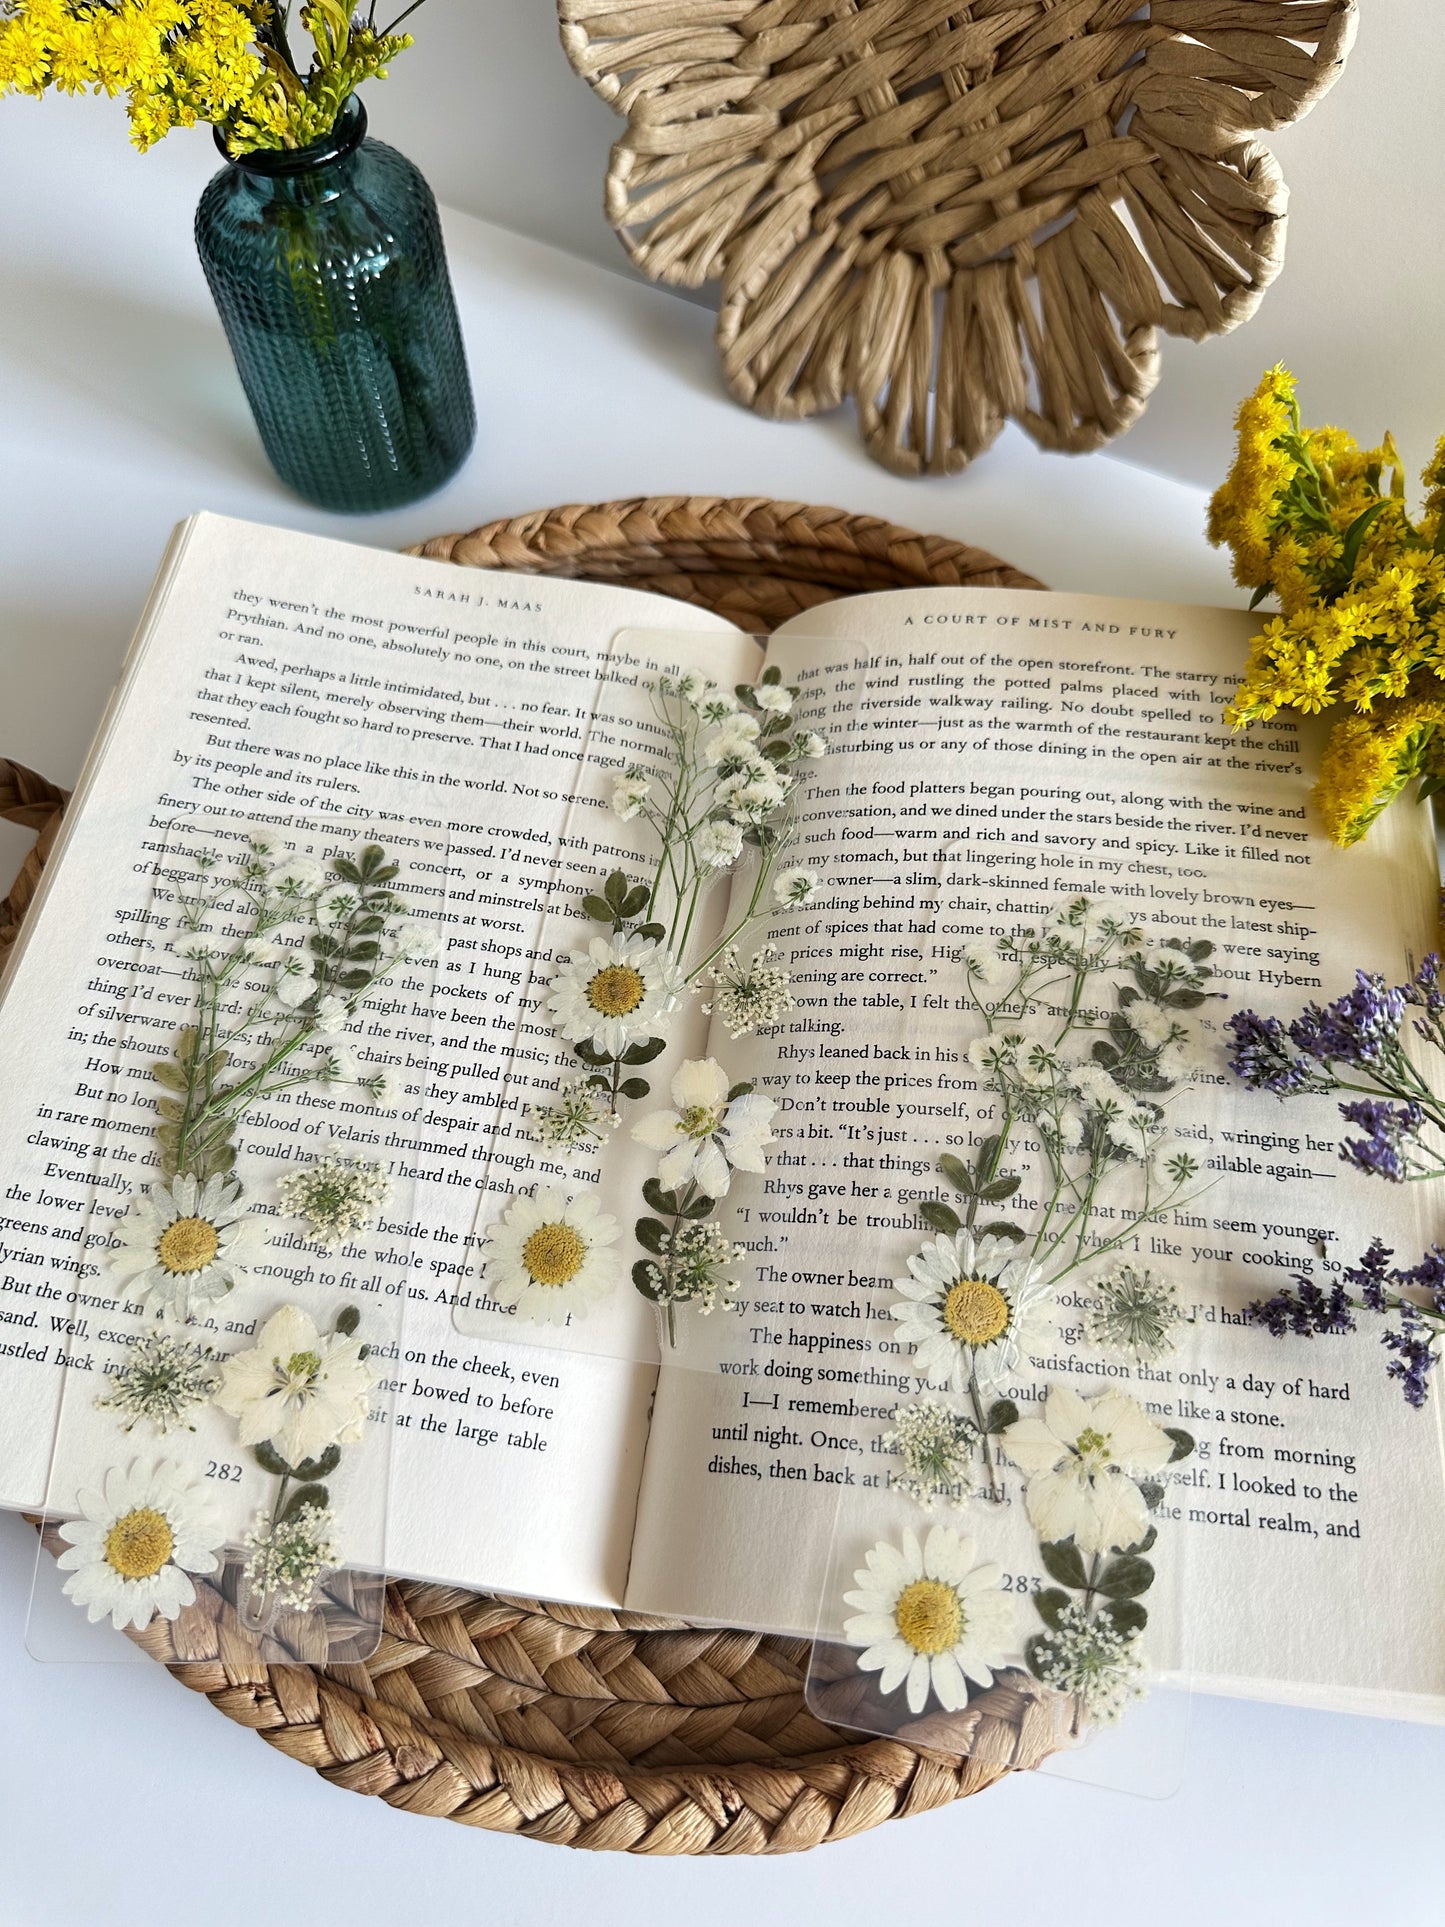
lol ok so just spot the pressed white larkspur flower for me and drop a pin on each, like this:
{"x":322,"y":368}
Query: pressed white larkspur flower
{"x":337,"y":1196}
{"x":162,"y":1379}
{"x":1080,"y":1460}
{"x":718,"y":844}
{"x":793,"y":888}
{"x":132,"y":1552}
{"x":747,"y":997}
{"x":706,"y":1138}
{"x":618,"y":991}
{"x":185,"y":1244}
{"x":331,"y":1015}
{"x":1091,"y":1658}
{"x":286,"y":1561}
{"x":937,"y":1446}
{"x":551,"y":1255}
{"x":581,"y":1115}
{"x":629,"y":793}
{"x":964,"y":1304}
{"x":298,"y":1388}
{"x":929,"y":1618}
{"x":773,"y":699}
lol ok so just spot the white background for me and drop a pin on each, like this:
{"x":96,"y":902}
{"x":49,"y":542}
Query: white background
{"x":124,"y":1799}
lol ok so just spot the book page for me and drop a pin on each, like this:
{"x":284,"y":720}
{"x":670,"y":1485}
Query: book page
{"x":993,"y":753}
{"x":311,"y":684}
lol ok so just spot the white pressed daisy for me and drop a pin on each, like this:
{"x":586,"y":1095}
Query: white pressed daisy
{"x":616,"y":992}
{"x":1079,"y":1460}
{"x":185,"y":1244}
{"x":551,"y":1256}
{"x":795,"y":887}
{"x":139,"y":1539}
{"x":718,"y":844}
{"x":773,"y":699}
{"x":732,"y":741}
{"x":298,"y":1388}
{"x":963,"y":1307}
{"x":706,"y":1138}
{"x":929,"y":1617}
{"x":629,"y":793}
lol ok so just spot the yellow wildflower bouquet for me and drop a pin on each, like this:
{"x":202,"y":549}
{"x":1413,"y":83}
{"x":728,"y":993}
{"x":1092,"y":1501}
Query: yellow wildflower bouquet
{"x":1322,"y":525}
{"x":229,"y":62}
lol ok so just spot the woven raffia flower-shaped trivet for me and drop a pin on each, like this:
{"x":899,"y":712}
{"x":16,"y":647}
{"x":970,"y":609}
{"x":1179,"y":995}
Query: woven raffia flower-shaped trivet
{"x":957,"y":214}
{"x":593,"y":1728}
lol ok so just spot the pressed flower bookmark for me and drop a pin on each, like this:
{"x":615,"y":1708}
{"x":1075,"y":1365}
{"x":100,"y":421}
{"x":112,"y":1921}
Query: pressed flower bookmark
{"x":225,"y":1426}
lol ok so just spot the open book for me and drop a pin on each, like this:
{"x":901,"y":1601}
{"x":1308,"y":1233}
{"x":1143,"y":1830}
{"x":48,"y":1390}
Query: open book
{"x":991,"y":751}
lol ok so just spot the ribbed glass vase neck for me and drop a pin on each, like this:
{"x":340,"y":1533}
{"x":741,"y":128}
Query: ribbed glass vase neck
{"x":282,"y":164}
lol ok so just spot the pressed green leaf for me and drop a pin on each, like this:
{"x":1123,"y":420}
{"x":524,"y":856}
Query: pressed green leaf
{"x":635,"y":902}
{"x":1151,"y":1492}
{"x":642,"y":1278}
{"x":1183,"y":1443}
{"x":186,"y":1045}
{"x":590,"y":1054}
{"x":653,"y":932}
{"x":1063,"y":1561}
{"x":938,"y":1216}
{"x":984,"y":1156}
{"x":1035,"y":1652}
{"x":170,"y":1074}
{"x":1001,"y":1228}
{"x":660,"y":1200}
{"x":644,"y":1052}
{"x":1126,"y":1577}
{"x":1127,"y":1614}
{"x":317,"y":1468}
{"x":1355,"y":535}
{"x":270,"y":1460}
{"x":699,"y":1208}
{"x":957,"y":1173}
{"x":1145,"y":1544}
{"x":1000,"y":1415}
{"x":344,"y":868}
{"x":347,"y":1320}
{"x":615,"y":888}
{"x":651,"y":1235}
{"x":740,"y":1090}
{"x":1000,"y":1189}
{"x":633,"y":1087}
{"x":598,"y":909}
{"x":772,"y":674}
{"x":171,"y":1108}
{"x":302,"y":1501}
{"x":1051,"y":1605}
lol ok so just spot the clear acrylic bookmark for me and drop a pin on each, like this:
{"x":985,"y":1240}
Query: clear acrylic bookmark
{"x":224,"y":1440}
{"x":594,"y":1055}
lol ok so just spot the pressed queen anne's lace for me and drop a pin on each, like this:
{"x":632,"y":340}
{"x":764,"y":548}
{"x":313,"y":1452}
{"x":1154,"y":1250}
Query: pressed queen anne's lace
{"x":161,"y":1380}
{"x":336,"y":1197}
{"x":937,"y":1446}
{"x":1092,"y":1658}
{"x":749,"y":997}
{"x":285,"y":1561}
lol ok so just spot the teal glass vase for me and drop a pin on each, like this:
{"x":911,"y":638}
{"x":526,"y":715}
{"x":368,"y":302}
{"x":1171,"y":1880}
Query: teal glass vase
{"x":327,"y":266}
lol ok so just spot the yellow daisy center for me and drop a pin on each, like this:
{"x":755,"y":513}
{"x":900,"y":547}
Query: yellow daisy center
{"x":138,"y":1545}
{"x":976,"y":1312}
{"x":617,"y":990}
{"x":930,"y":1616}
{"x":188,"y":1245}
{"x":554,"y":1254}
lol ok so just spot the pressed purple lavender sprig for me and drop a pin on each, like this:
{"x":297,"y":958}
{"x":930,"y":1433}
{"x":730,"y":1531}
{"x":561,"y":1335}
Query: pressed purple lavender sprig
{"x":1306,"y":1310}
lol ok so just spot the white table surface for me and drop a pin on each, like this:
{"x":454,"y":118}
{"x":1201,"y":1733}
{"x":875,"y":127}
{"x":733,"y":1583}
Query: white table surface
{"x":123,"y":1799}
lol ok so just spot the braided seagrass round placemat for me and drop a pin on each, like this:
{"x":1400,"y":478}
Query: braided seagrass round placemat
{"x":594,"y":1728}
{"x":957,"y":212}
